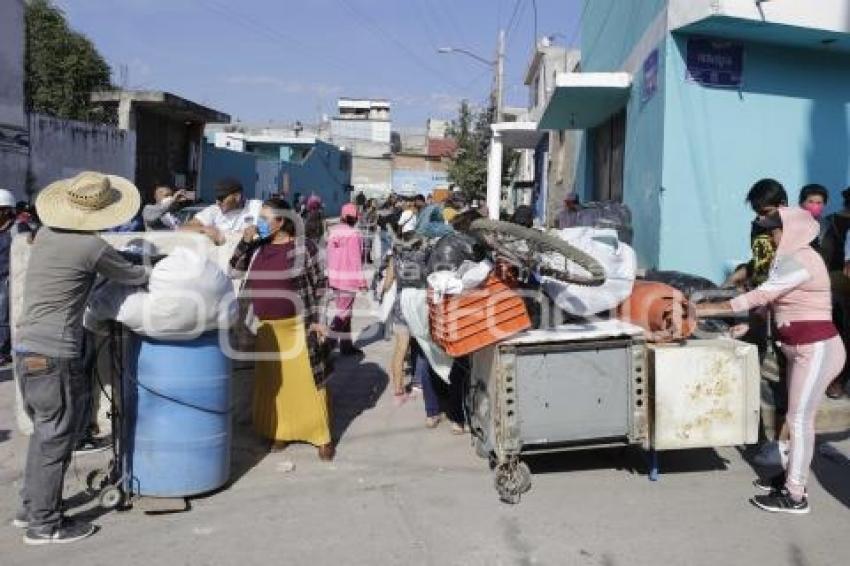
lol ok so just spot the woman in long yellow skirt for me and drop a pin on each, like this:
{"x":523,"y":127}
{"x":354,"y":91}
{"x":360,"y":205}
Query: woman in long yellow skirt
{"x":286,"y":284}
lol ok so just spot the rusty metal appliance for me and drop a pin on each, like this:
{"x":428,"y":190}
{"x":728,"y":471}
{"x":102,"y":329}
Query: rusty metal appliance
{"x":661,"y":310}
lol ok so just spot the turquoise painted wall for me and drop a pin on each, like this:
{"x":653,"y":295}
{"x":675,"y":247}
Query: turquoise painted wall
{"x":610,"y":32}
{"x":611,"y":28}
{"x":789,"y":121}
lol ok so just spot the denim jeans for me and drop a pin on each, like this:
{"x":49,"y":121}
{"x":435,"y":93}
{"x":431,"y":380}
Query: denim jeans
{"x":441,"y":397}
{"x":56,"y":394}
{"x":425,"y":376}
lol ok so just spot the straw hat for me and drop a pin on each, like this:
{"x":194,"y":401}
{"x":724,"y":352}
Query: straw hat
{"x":89,"y":202}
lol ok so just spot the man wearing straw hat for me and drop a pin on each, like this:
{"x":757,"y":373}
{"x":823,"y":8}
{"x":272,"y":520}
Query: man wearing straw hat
{"x":65,"y":258}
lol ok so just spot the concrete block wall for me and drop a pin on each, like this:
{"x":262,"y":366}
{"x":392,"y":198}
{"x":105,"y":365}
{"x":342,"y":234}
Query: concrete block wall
{"x":63,"y":148}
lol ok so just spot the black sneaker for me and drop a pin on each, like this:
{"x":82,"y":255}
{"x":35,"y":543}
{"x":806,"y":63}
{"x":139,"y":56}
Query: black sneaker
{"x":776,"y":483}
{"x":68,"y":530}
{"x":781,"y":502}
{"x":91,"y":445}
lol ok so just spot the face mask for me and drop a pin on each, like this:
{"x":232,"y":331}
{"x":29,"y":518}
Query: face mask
{"x":264,"y":230}
{"x":815,"y":208}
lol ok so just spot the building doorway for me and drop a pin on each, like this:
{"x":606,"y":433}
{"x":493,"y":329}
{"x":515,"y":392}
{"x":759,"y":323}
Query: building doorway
{"x":609,"y":144}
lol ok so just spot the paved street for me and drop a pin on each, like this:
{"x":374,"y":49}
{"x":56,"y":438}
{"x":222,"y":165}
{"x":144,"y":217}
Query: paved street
{"x":400,"y":494}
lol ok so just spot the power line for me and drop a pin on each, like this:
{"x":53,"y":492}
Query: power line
{"x":456,"y":32}
{"x":513,"y":15}
{"x":369,"y":22}
{"x":534,"y":9}
{"x":254,"y":25}
{"x":432,"y":26}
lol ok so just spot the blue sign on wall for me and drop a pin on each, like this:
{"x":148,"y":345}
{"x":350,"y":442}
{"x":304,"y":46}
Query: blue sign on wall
{"x":713,"y":62}
{"x":650,"y":77}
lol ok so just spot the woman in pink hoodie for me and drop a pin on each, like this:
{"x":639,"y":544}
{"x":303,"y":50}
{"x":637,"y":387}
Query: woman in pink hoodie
{"x":798,"y":292}
{"x":345,"y":274}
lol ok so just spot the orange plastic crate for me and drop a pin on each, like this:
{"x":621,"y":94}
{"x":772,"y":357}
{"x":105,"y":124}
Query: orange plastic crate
{"x":466,"y":323}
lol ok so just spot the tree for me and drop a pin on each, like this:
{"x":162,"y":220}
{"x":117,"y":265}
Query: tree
{"x":62,"y":68}
{"x":471,"y":130}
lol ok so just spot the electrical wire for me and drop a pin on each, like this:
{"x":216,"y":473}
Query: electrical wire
{"x":251,"y":24}
{"x":456,"y":32}
{"x":534,"y":10}
{"x":430,"y":27}
{"x":376,"y":28}
{"x":513,"y":14}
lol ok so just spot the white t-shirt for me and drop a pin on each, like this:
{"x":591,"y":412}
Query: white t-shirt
{"x":232,"y":221}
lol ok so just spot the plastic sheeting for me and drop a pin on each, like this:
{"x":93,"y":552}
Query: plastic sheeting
{"x":619,"y":261}
{"x":414,"y":308}
{"x":187,"y":295}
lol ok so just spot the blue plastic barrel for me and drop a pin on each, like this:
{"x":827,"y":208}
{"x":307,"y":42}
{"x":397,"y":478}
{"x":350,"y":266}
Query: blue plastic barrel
{"x":177,"y":416}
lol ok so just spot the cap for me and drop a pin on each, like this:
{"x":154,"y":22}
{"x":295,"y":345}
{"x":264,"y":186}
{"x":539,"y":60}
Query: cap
{"x":349,"y":210}
{"x":7,"y":199}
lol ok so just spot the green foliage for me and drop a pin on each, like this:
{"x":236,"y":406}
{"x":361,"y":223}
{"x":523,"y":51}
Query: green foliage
{"x":63,"y":67}
{"x":471,"y":129}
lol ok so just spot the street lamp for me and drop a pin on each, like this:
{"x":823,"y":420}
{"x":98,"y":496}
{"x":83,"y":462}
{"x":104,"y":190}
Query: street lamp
{"x":468,"y":53}
{"x":498,"y":65}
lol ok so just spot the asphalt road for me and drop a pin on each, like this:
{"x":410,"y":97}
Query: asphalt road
{"x":400,"y":494}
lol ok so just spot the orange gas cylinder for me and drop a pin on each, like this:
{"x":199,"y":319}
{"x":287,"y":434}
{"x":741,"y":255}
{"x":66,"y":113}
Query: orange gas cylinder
{"x":661,"y":310}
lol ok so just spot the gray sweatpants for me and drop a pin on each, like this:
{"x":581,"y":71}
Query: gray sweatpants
{"x":56,"y":394}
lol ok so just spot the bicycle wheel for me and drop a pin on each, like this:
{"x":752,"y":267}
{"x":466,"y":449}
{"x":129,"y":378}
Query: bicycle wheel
{"x":546,"y":254}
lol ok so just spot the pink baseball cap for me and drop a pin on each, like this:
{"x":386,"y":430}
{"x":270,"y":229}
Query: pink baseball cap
{"x":314,"y":203}
{"x":349,"y":211}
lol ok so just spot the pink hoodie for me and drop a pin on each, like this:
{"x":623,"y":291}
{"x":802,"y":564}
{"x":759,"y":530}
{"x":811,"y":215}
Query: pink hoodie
{"x":798,"y":286}
{"x":345,"y":270}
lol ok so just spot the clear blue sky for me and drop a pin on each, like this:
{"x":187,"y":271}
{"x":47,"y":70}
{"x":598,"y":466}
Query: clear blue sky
{"x":286,"y":60}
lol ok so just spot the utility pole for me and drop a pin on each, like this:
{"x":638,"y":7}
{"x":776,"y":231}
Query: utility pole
{"x":500,"y":76}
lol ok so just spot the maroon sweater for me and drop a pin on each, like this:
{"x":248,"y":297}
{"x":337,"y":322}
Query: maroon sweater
{"x":273,"y":286}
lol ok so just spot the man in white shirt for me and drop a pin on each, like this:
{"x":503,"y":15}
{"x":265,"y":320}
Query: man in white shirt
{"x":230,"y":213}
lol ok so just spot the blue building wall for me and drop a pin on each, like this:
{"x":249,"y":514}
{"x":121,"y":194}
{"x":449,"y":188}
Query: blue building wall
{"x":611,"y":32}
{"x":323,"y":171}
{"x":216,"y":164}
{"x":789,"y":121}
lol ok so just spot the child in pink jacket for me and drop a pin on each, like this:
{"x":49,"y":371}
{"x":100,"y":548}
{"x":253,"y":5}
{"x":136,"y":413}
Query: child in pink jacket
{"x":798,"y":292}
{"x":345,"y":274}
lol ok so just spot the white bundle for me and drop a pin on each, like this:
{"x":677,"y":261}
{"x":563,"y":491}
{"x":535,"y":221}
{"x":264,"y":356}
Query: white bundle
{"x":620,"y":265}
{"x":187,"y":295}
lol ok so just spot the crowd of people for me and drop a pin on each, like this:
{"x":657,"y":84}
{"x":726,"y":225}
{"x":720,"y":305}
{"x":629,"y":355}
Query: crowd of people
{"x":300,"y":275}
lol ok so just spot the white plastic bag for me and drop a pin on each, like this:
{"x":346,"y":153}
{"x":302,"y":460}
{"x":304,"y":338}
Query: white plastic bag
{"x":620,"y":265}
{"x":470,"y":275}
{"x":187,"y":295}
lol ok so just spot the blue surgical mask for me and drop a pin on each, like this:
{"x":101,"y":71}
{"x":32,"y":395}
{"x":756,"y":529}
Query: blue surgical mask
{"x":263,"y":228}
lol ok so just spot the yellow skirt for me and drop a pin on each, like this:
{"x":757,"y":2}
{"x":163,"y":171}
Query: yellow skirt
{"x":287,"y":404}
